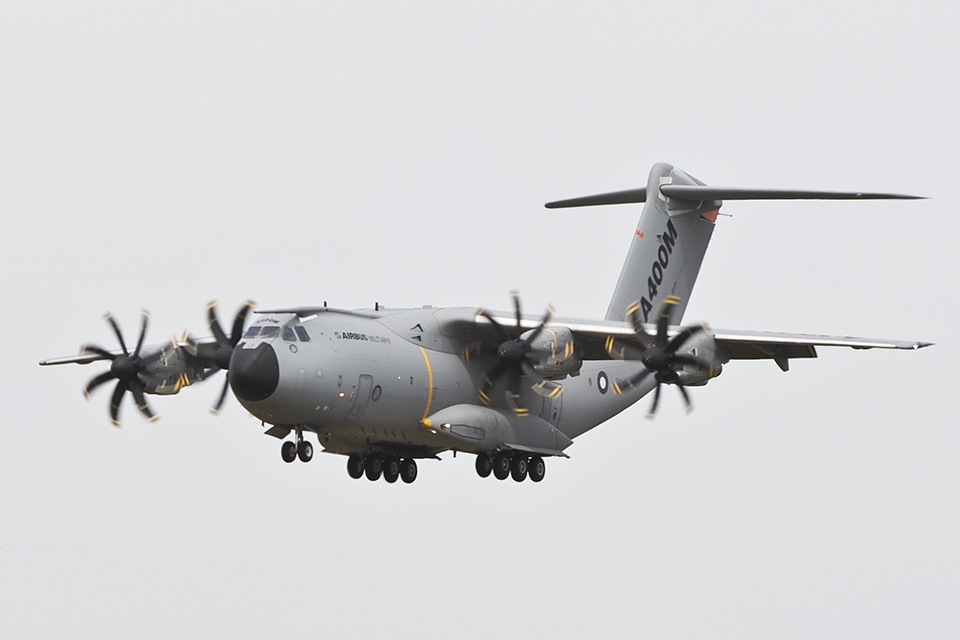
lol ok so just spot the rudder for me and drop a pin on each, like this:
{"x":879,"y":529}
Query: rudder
{"x":667,"y":249}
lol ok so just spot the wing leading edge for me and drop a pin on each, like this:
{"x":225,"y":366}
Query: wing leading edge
{"x":592,"y":337}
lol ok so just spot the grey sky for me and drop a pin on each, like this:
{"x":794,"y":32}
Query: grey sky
{"x":160,"y":156}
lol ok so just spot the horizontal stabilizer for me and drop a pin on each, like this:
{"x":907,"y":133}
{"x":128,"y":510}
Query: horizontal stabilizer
{"x":697,"y":193}
{"x":617,"y":197}
{"x":700,"y":193}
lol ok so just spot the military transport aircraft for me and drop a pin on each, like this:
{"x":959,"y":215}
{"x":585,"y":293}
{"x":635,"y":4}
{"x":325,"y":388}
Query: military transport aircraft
{"x":386,"y":387}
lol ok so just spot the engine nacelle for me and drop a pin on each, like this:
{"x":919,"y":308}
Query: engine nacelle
{"x":174,"y":368}
{"x":555,"y":353}
{"x":704,"y":347}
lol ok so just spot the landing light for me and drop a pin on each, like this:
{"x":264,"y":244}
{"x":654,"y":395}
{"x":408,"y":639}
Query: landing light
{"x":341,"y":394}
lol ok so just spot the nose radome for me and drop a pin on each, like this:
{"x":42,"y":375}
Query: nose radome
{"x":254,"y":373}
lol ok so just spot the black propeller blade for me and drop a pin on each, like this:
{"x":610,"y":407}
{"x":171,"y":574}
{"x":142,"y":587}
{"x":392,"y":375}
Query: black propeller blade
{"x":660,"y":356}
{"x":225,"y":345}
{"x":125,"y":369}
{"x":514,"y":361}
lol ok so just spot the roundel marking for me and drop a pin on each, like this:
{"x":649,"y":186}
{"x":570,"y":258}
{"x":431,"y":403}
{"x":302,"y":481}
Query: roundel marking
{"x":602,"y":383}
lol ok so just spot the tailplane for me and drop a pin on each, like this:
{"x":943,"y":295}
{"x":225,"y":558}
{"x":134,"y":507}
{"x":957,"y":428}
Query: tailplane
{"x":673,"y":233}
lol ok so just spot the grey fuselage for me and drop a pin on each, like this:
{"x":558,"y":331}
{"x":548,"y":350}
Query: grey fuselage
{"x":372,"y":379}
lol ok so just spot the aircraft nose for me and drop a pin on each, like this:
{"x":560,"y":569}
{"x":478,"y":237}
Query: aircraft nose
{"x":254,"y":373}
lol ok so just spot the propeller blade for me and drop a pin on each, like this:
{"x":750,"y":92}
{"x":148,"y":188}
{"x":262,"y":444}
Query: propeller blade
{"x":500,"y":329}
{"x":634,"y":312}
{"x":516,"y":306}
{"x":100,"y":351}
{"x":656,"y":400}
{"x":215,"y":324}
{"x":633,"y":380}
{"x":677,"y":341}
{"x":137,"y":390}
{"x":144,"y":317}
{"x":663,"y":321}
{"x":96,"y":382}
{"x":514,"y":406}
{"x":115,"y":402}
{"x":542,"y":386}
{"x":238,"y":322}
{"x":215,"y":409}
{"x":543,"y":323}
{"x":686,"y":398}
{"x":488,"y":378}
{"x":116,"y":331}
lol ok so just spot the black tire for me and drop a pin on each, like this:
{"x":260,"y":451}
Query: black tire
{"x":391,"y":469}
{"x":484,"y":465}
{"x":355,"y":466}
{"x":408,"y":470}
{"x":305,"y":451}
{"x":373,"y":467}
{"x":288,"y":451}
{"x":518,"y":468}
{"x":536,"y":468}
{"x":501,"y":465}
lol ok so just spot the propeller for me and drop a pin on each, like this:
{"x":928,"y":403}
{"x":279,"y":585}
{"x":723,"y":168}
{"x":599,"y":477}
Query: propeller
{"x":125,"y":369}
{"x":514,"y":361}
{"x":225,"y":345}
{"x":660,"y":356}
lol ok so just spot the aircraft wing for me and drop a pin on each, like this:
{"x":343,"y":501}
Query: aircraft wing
{"x":594,"y":339}
{"x":86,"y":357}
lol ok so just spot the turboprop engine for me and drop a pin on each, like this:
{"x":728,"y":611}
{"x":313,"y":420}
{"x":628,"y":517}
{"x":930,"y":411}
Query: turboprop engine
{"x":709,"y":363}
{"x":554,"y":353}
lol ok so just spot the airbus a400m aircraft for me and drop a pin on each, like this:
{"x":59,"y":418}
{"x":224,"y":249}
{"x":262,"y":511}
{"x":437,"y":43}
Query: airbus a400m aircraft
{"x":386,"y":387}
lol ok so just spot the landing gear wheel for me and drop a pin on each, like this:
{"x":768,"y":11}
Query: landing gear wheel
{"x":501,"y":465}
{"x":305,"y":451}
{"x":518,"y":468}
{"x":408,"y":470}
{"x":391,"y":469}
{"x":536,"y":468}
{"x":355,"y":466}
{"x":373,"y":468}
{"x":484,"y":465}
{"x":288,"y":451}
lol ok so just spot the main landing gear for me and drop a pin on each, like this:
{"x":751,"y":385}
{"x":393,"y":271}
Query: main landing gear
{"x":390,"y":468}
{"x":302,"y":449}
{"x":511,"y":464}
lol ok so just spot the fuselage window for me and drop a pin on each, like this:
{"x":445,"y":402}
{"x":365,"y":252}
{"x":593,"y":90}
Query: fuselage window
{"x":269,"y":332}
{"x":252,"y":332}
{"x":288,"y":334}
{"x":302,"y":332}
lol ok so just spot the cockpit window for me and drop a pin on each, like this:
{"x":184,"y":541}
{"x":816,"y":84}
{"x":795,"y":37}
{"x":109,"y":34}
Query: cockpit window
{"x":252,"y":332}
{"x":288,"y":334}
{"x":302,"y":332}
{"x":269,"y":332}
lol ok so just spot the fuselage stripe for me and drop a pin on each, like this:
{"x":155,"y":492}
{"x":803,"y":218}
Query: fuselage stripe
{"x":426,"y":412}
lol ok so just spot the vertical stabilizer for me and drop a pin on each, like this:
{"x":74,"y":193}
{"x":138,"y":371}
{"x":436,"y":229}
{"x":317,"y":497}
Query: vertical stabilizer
{"x":667,"y":248}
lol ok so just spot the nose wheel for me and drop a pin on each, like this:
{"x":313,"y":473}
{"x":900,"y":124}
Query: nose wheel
{"x":302,"y":449}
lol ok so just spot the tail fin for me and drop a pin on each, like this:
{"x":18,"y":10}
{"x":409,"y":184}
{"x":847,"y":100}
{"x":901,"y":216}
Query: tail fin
{"x":667,"y":248}
{"x":673,"y":233}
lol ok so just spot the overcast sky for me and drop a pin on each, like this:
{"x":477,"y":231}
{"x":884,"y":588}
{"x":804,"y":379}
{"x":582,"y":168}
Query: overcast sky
{"x":162,"y":155}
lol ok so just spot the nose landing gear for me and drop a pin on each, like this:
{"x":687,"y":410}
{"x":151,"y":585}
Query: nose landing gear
{"x":302,"y":449}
